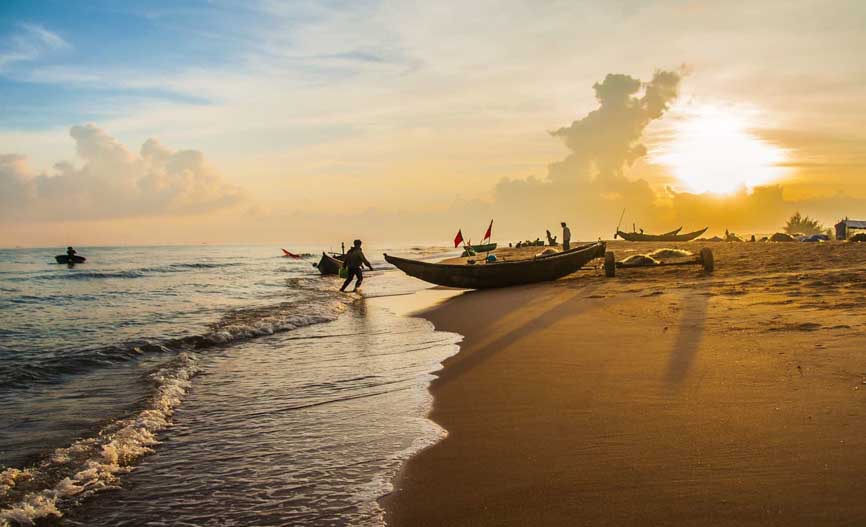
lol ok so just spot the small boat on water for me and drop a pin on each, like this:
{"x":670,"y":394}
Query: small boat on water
{"x":329,"y":264}
{"x":483,"y":248}
{"x":667,"y":237}
{"x":65,"y":259}
{"x":501,"y":273}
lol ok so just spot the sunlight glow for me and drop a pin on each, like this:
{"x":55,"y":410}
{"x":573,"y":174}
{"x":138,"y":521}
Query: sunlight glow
{"x":712,"y":150}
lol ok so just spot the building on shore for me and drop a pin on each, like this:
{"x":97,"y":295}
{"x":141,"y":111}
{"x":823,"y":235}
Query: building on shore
{"x":847,"y":228}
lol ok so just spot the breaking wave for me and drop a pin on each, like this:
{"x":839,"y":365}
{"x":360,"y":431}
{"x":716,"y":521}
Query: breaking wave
{"x":86,"y":274}
{"x":92,"y":464}
{"x":236,"y":325}
{"x":93,"y":275}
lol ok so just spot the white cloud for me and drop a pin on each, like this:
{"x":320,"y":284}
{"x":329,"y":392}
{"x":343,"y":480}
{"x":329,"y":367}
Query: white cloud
{"x":44,"y":37}
{"x":29,"y":43}
{"x":113,"y":182}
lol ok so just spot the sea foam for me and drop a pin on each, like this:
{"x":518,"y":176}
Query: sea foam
{"x":92,"y":464}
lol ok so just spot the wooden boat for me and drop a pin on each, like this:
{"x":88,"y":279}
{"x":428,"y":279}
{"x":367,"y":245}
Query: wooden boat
{"x":639,"y":237}
{"x":65,"y":259}
{"x":329,"y":264}
{"x":501,"y":273}
{"x":483,"y":248}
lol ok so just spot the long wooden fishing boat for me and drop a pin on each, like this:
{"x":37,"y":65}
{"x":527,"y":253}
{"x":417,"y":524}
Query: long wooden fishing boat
{"x":640,"y":237}
{"x":328,"y":264}
{"x":501,"y":273}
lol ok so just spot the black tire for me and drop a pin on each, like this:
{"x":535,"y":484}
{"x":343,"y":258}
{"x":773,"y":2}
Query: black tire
{"x":609,"y":264}
{"x":707,"y":260}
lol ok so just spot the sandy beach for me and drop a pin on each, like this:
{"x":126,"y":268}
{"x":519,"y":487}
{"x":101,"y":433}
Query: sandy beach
{"x":659,"y":397}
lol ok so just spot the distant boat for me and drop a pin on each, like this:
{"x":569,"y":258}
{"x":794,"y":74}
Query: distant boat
{"x":483,"y":248}
{"x":501,"y":273}
{"x":290,"y":254}
{"x":667,"y":237}
{"x":64,"y":259}
{"x":329,"y":264}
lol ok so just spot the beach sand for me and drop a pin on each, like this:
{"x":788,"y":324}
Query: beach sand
{"x":660,"y":397}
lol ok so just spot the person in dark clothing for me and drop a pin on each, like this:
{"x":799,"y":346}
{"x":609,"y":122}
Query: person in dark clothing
{"x":566,"y":237}
{"x":70,"y":252}
{"x":354,"y":262}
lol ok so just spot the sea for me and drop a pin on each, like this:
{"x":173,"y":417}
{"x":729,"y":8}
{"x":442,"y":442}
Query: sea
{"x":207,"y":386}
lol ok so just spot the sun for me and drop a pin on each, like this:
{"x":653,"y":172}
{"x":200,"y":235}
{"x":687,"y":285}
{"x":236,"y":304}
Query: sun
{"x":712,"y":150}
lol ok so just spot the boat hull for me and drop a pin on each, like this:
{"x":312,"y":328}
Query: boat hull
{"x":638,"y":237}
{"x":502,"y":273}
{"x":64,"y":259}
{"x":483,"y":248}
{"x":328,"y":264}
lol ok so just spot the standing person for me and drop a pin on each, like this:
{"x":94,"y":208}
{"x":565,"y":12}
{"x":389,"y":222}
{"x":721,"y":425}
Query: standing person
{"x":70,"y":252}
{"x":566,"y":237}
{"x":354,"y":262}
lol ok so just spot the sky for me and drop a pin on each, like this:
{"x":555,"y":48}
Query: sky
{"x":315,"y":122}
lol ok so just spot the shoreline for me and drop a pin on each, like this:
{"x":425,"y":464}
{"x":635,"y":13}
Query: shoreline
{"x":637,"y":401}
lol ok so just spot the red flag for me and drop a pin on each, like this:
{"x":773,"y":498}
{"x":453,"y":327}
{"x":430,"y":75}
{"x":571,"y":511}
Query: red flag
{"x":489,"y":232}
{"x":458,"y":238}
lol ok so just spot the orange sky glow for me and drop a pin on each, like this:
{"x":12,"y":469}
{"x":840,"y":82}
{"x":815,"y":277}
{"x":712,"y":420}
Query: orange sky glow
{"x":400,"y":123}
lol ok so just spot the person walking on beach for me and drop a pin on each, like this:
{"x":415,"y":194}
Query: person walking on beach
{"x":354,"y":262}
{"x":566,"y":237}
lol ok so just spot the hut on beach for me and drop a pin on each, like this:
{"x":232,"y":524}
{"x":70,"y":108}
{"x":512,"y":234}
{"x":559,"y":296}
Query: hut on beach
{"x":847,"y":228}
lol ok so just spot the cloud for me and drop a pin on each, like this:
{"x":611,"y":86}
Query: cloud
{"x":29,"y":43}
{"x":113,"y":182}
{"x":607,"y":139}
{"x":589,"y":184}
{"x":592,"y":185}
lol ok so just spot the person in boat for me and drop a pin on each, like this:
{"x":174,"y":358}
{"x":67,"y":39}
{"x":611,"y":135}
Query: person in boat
{"x":566,"y":237}
{"x":70,"y":252}
{"x":353,"y":263}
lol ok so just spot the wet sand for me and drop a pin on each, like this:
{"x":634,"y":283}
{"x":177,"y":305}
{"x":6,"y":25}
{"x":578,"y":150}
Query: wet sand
{"x":660,"y":397}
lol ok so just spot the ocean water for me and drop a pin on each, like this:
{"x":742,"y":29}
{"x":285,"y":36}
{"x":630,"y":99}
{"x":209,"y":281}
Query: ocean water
{"x":206,"y":386}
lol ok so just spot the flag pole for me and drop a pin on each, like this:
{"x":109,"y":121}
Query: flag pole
{"x":488,"y":239}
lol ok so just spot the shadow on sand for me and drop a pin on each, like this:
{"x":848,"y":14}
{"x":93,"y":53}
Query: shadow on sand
{"x":691,"y":325}
{"x":503,"y":324}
